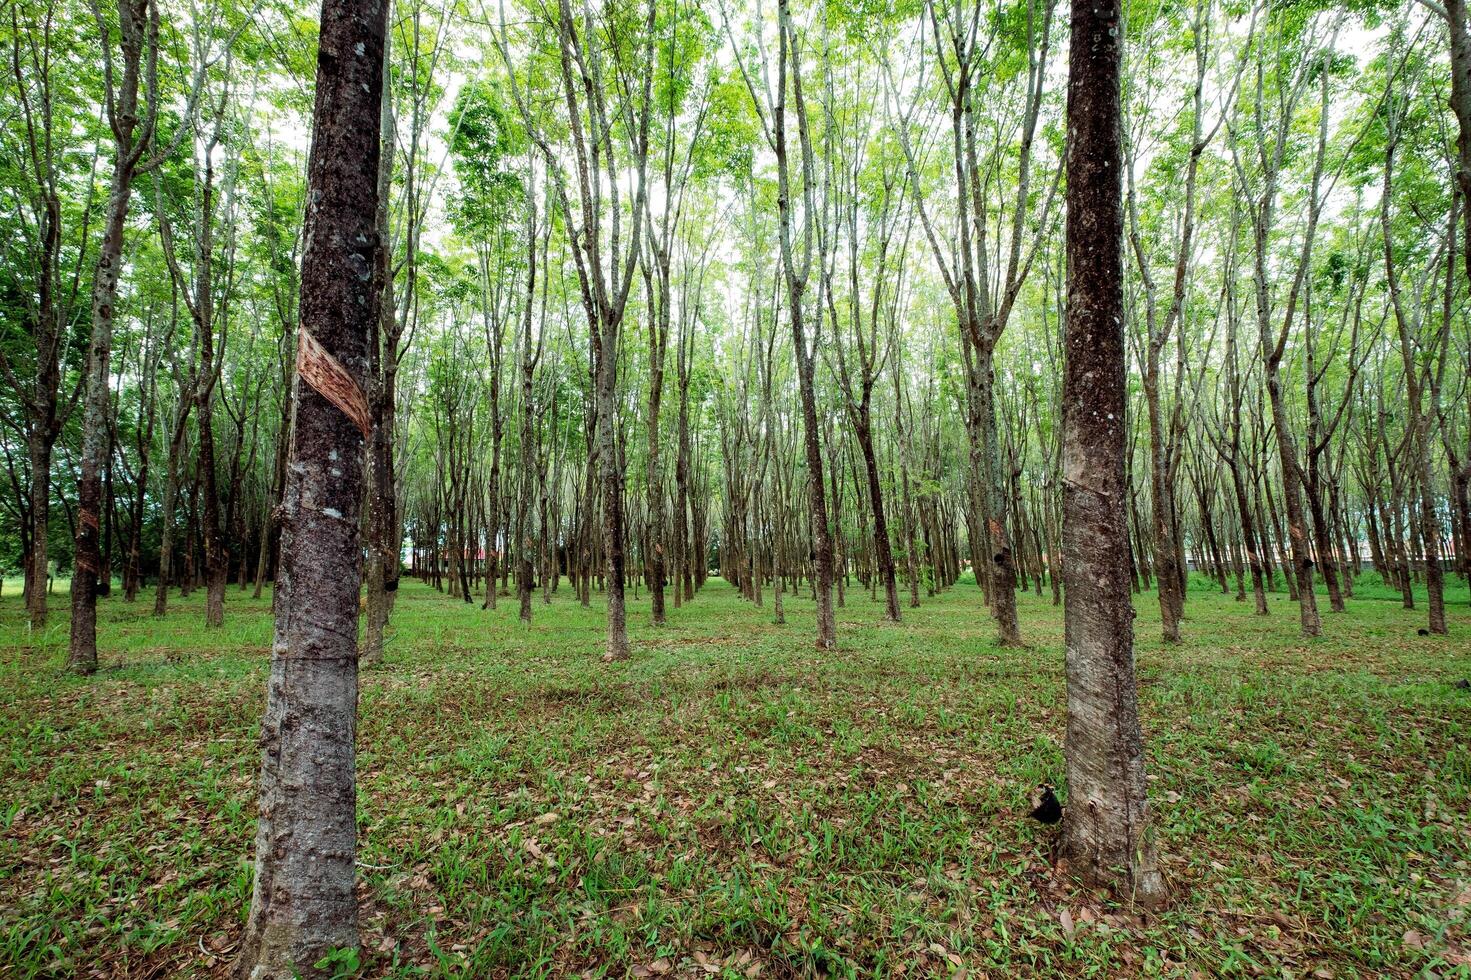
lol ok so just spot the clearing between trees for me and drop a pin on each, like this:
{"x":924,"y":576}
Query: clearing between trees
{"x":733,"y":802}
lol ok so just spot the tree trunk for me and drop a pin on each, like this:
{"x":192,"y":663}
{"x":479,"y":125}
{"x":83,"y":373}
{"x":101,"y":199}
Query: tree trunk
{"x":304,"y":904}
{"x":1162,"y":505}
{"x":1460,"y":101}
{"x":170,"y":507}
{"x":1106,"y":829}
{"x":135,"y":525}
{"x":381,"y":568}
{"x":38,"y":568}
{"x":216,"y":552}
{"x":88,"y":567}
{"x":1417,"y":436}
{"x":1250,"y":540}
{"x":883,"y":550}
{"x":796,"y":271}
{"x":44,"y":414}
{"x":528,"y":453}
{"x":610,"y":473}
{"x":658,"y":343}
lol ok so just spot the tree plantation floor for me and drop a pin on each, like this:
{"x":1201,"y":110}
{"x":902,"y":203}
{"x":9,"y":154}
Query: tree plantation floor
{"x":732,"y":802}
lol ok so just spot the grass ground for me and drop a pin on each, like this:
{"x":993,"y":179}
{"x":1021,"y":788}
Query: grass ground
{"x":732,"y":803}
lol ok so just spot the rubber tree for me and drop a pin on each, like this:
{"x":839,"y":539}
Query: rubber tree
{"x":131,"y":105}
{"x":132,"y":73}
{"x":304,"y":903}
{"x":984,"y":299}
{"x":1106,"y":830}
{"x":601,"y":112}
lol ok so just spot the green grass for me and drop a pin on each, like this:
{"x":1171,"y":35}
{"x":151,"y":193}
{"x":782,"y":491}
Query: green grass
{"x":733,"y":803}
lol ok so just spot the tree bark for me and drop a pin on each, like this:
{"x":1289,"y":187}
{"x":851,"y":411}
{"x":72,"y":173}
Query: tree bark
{"x":38,"y":567}
{"x":216,"y":551}
{"x":1300,"y":567}
{"x":796,"y":273}
{"x":529,"y":358}
{"x":883,"y":551}
{"x":304,"y":904}
{"x":382,"y":562}
{"x":655,"y":563}
{"x":87,"y":567}
{"x":1106,"y":828}
{"x":122,"y":112}
{"x":1417,"y":424}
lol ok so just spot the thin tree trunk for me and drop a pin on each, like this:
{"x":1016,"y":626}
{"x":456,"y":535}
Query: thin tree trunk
{"x":89,"y":568}
{"x":796,"y":272}
{"x":38,"y":568}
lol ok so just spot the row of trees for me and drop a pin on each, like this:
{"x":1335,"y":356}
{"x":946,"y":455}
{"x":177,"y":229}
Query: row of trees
{"x":693,"y":289}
